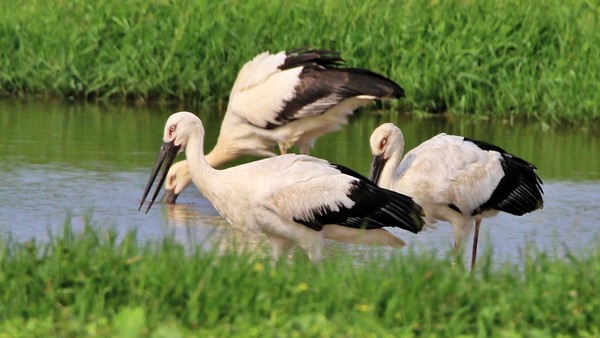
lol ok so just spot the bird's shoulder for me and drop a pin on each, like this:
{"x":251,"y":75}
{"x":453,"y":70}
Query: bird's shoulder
{"x":257,"y":70}
{"x":284,"y":167}
{"x":447,"y":160}
{"x":262,"y":89}
{"x":452,"y":149}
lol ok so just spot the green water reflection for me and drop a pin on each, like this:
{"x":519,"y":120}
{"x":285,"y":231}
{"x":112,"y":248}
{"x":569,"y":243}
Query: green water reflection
{"x":124,"y":138}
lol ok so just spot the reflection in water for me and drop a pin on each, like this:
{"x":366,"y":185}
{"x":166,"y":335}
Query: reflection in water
{"x":64,"y":162}
{"x":193,"y":225}
{"x":567,"y":224}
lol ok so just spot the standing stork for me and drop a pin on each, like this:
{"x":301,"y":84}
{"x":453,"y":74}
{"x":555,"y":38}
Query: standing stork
{"x":291,"y":198}
{"x":455,"y":179}
{"x":289,"y":99}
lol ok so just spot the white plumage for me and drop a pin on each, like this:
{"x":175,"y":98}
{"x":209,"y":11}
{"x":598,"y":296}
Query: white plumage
{"x":289,"y":99}
{"x":455,"y":179}
{"x":291,"y":198}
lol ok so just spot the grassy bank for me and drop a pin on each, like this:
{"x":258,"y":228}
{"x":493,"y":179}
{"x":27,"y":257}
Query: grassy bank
{"x":91,"y":284}
{"x":522,"y":59}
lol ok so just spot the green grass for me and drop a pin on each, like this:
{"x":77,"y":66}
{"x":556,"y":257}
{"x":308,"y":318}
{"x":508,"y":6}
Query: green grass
{"x":92,"y":283}
{"x":512,"y":59}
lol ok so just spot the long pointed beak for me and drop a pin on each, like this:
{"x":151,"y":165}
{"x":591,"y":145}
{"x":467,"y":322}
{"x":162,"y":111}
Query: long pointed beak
{"x":167,"y":154}
{"x":377,"y":164}
{"x":169,"y":196}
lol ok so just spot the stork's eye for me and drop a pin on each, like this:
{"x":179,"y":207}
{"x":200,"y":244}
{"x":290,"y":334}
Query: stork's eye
{"x":172,"y":129}
{"x":383,"y":143}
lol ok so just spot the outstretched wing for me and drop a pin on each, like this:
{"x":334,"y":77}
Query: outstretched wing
{"x":272,"y":90}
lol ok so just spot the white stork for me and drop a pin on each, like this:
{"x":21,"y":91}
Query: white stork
{"x":291,"y":198}
{"x":287,"y":99}
{"x":455,"y":179}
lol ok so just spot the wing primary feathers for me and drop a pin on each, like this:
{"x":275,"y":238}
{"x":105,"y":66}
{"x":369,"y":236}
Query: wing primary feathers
{"x":366,"y":82}
{"x":315,"y":58}
{"x":520,"y":189}
{"x":322,"y":88}
{"x":374,"y":208}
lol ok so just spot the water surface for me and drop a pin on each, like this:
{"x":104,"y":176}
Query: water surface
{"x":66,"y":162}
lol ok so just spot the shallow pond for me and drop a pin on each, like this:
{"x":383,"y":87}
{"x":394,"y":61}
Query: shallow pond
{"x":67,"y":162}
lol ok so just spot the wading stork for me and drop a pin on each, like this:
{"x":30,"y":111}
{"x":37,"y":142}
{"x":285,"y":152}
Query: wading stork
{"x":291,"y":198}
{"x":455,"y":179}
{"x":288,"y":99}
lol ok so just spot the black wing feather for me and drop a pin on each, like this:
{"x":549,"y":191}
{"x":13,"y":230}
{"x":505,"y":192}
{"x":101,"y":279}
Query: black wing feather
{"x":374,"y":208}
{"x":519,"y":191}
{"x":312,"y":58}
{"x":322,"y":77}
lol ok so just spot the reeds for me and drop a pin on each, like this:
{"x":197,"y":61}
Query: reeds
{"x":514,"y":59}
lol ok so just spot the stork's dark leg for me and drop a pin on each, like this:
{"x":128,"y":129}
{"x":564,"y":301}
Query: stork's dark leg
{"x":475,"y":241}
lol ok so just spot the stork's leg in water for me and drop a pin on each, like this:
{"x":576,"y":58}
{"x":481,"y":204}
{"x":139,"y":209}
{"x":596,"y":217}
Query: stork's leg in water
{"x":456,"y":252}
{"x":282,"y":149}
{"x":475,"y":241}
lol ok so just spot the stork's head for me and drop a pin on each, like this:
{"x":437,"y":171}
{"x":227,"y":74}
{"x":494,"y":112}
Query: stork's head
{"x":386,"y":141}
{"x":178,"y":129}
{"x":178,"y":178}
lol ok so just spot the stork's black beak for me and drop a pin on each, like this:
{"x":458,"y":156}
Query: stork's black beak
{"x":167,"y":154}
{"x":377,"y":164}
{"x":169,"y":196}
